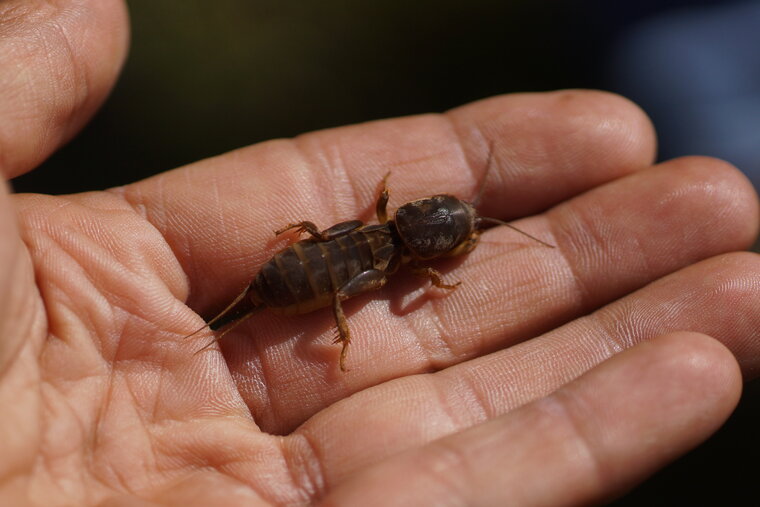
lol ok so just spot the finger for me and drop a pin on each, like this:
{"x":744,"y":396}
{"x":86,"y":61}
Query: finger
{"x":412,"y":411}
{"x":590,"y":441}
{"x":611,"y":242}
{"x":218,"y":215}
{"x":58,"y":60}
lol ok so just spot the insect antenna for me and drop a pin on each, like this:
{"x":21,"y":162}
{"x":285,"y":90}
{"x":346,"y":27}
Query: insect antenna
{"x":479,"y":196}
{"x":502,"y":222}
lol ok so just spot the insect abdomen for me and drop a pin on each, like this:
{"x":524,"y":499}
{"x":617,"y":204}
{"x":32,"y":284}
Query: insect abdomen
{"x":306,"y":275}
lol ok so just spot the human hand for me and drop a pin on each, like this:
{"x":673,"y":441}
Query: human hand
{"x":549,"y":376}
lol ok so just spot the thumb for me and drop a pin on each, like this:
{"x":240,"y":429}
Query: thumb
{"x":58,"y":60}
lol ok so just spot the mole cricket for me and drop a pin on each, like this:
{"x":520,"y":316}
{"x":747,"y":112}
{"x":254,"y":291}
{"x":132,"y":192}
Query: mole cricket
{"x":351,"y":258}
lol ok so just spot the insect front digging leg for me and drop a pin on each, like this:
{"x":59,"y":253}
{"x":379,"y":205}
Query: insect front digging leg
{"x":333,"y":232}
{"x":372,"y":279}
{"x":434,"y":277}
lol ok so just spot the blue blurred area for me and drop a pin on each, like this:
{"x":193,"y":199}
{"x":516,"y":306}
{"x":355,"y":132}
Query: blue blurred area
{"x":696,"y":70}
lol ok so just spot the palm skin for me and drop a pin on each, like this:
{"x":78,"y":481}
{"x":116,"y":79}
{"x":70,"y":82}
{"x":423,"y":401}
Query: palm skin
{"x":550,"y":376}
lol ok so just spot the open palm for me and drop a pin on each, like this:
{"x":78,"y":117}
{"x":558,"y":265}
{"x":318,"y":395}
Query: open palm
{"x":104,"y":399}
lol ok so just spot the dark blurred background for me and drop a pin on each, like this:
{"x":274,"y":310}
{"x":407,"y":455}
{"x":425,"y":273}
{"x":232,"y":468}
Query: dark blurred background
{"x":204,"y":78}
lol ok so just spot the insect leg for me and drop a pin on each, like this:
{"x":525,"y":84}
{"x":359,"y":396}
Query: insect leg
{"x":371,"y":279}
{"x":381,"y":208}
{"x":344,"y":334}
{"x":326,"y":235}
{"x":466,"y":247}
{"x":434,"y":277}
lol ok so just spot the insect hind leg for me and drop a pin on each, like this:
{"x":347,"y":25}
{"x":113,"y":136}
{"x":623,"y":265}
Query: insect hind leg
{"x":371,"y":279}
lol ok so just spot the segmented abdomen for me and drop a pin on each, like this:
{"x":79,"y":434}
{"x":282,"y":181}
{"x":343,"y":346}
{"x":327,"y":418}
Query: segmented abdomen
{"x":306,"y":275}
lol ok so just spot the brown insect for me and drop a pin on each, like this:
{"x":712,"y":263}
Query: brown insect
{"x":351,"y":258}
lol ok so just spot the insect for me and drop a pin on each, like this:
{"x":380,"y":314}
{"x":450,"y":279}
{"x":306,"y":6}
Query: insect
{"x":351,"y":258}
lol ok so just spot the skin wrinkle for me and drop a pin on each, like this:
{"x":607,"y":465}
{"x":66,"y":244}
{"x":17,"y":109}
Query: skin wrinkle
{"x":452,"y":347}
{"x":464,"y":382}
{"x":584,"y":294}
{"x":92,"y":321}
{"x":235,"y":232}
{"x":410,"y":328}
{"x":162,"y":228}
{"x":86,"y":437}
{"x":79,"y":88}
{"x":152,"y":454}
{"x":431,"y":344}
{"x":64,"y":302}
{"x":270,"y":399}
{"x":308,"y":487}
{"x":153,"y":463}
{"x":333,"y":171}
{"x":139,"y":209}
{"x":611,"y":338}
{"x":615,"y":327}
{"x":467,"y":390}
{"x":464,"y":392}
{"x":326,"y":179}
{"x":47,"y":459}
{"x":72,"y":413}
{"x":77,"y":245}
{"x":640,"y":254}
{"x":223,"y":464}
{"x":450,"y":458}
{"x":461,"y":140}
{"x":561,"y":407}
{"x":10,"y":15}
{"x":452,"y":423}
{"x":41,"y":469}
{"x":98,"y":432}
